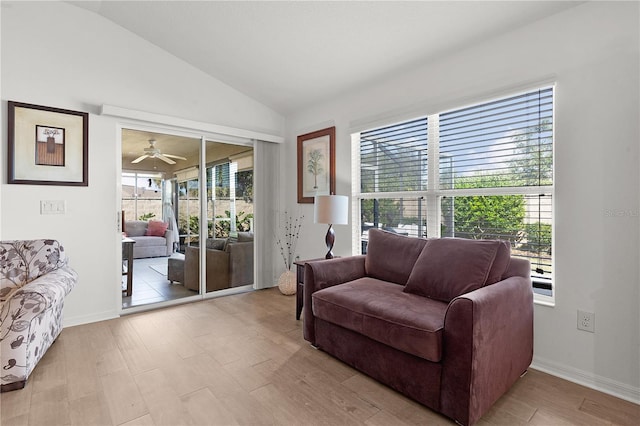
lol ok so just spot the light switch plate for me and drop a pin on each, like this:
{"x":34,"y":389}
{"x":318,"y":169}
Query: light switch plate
{"x":52,"y":207}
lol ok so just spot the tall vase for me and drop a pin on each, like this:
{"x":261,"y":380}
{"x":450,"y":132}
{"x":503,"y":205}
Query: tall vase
{"x":287,"y":283}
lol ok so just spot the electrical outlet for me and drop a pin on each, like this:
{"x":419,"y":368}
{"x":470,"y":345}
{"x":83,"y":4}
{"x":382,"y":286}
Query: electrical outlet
{"x":587,"y":321}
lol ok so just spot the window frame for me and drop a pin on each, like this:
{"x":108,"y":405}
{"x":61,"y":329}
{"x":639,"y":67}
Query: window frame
{"x":136,"y":197}
{"x":433,"y":194}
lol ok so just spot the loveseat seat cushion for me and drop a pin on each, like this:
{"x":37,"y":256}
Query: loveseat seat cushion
{"x":450,"y":267}
{"x":390,"y":257}
{"x":383,"y":312}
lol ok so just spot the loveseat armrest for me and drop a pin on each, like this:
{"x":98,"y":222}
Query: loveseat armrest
{"x":321,"y":274}
{"x":33,"y":299}
{"x":488,"y":344}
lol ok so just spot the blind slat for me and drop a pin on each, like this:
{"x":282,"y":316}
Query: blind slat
{"x":394,"y":158}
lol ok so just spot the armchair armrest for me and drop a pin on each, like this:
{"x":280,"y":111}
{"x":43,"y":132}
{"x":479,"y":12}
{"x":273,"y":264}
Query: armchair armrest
{"x":488,"y":344}
{"x":33,"y":313}
{"x":240,"y":263}
{"x":217,"y":269}
{"x":169,"y":240}
{"x":326,"y":273}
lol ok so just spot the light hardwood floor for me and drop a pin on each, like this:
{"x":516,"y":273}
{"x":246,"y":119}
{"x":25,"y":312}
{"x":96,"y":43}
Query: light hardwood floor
{"x":150,"y":283}
{"x":242,"y":360}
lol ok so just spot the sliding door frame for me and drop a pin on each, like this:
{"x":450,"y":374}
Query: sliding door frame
{"x":197,"y":133}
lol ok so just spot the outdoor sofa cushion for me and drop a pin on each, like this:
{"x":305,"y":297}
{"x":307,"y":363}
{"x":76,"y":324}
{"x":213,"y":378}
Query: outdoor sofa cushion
{"x":156,"y":228}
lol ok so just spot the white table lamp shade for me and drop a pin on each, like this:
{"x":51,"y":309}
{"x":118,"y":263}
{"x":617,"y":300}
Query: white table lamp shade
{"x":331,"y":209}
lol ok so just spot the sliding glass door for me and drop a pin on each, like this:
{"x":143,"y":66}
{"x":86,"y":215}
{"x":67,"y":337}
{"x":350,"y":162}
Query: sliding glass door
{"x":229,"y":216}
{"x":160,"y":187}
{"x":200,"y":193}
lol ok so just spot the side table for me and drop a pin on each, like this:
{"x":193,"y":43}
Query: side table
{"x":299,"y":286}
{"x":127,"y":269}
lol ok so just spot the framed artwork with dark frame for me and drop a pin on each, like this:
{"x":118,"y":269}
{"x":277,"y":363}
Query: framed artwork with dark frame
{"x":47,"y":146}
{"x":316,"y":164}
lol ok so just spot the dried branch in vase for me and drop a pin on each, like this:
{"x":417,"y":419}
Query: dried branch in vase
{"x":288,"y":240}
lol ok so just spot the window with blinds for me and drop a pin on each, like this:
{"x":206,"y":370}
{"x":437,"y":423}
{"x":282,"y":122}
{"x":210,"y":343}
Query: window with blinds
{"x":394,"y":158}
{"x":494,"y":164}
{"x":505,"y":143}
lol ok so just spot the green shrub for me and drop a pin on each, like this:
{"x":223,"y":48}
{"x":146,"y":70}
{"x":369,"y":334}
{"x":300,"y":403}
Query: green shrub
{"x":147,"y":216}
{"x":538,"y":237}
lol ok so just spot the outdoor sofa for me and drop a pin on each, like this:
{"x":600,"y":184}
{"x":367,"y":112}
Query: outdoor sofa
{"x":152,"y":238}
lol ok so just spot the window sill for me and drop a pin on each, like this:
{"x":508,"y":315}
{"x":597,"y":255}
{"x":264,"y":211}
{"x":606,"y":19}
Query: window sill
{"x":539,"y":299}
{"x":543,"y":290}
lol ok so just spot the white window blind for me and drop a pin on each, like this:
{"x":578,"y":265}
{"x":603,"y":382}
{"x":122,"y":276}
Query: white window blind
{"x":500,"y":156}
{"x":505,"y":143}
{"x":494,"y":177}
{"x":394,"y":158}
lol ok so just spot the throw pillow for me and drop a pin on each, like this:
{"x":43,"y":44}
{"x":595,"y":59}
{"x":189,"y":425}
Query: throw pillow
{"x":450,"y":267}
{"x":500,"y":264}
{"x":390,"y":257}
{"x":156,"y":228}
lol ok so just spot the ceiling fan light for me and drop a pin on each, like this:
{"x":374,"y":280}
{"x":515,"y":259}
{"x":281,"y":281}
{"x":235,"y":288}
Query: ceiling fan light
{"x":152,"y":152}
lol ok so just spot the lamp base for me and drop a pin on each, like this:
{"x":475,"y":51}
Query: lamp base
{"x":330,"y":239}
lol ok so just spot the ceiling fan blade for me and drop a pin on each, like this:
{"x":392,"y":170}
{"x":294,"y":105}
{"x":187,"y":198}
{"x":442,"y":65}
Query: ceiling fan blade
{"x":165,"y":159}
{"x":174,"y":156}
{"x":139,"y":159}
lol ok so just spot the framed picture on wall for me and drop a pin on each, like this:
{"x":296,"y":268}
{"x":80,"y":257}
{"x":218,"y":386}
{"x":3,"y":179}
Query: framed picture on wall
{"x":47,"y":146}
{"x":316,"y":164}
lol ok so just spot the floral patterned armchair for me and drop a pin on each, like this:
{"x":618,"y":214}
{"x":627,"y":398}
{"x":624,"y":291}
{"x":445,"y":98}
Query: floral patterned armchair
{"x":34,"y":280}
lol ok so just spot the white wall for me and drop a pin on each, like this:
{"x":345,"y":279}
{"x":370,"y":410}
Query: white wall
{"x":58,"y":55}
{"x":592,"y":53}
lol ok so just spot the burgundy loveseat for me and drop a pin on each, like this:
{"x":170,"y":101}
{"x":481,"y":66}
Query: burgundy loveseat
{"x":447,"y":322}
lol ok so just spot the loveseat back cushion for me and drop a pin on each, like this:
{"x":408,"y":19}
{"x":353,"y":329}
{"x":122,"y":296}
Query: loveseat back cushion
{"x":135,"y":228}
{"x":23,"y":261}
{"x":450,"y":267}
{"x":156,"y":228}
{"x":383,"y":312}
{"x":390,"y":257}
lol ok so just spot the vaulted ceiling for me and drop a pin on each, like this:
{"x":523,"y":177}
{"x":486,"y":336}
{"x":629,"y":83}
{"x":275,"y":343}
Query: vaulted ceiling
{"x":292,"y":54}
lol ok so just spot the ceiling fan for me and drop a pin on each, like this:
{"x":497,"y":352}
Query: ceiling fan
{"x":153,"y":152}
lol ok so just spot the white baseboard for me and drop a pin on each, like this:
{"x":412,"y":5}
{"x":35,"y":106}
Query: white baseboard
{"x":590,"y":380}
{"x":86,"y":319}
